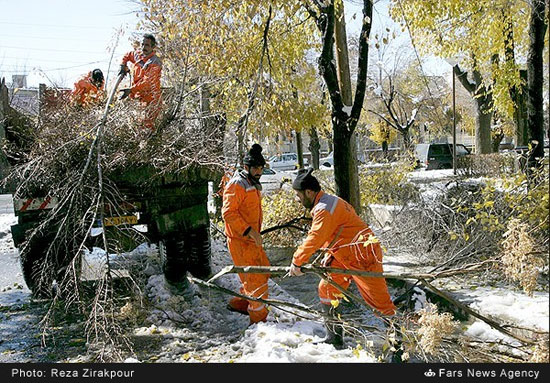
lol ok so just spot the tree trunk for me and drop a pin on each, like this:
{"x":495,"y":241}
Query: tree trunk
{"x":517,"y":94}
{"x":4,"y":104}
{"x":535,"y":73}
{"x":342,"y":149}
{"x":483,"y":103}
{"x":314,"y":147}
{"x":520,"y":111}
{"x":299,"y":150}
{"x":407,"y":144}
{"x":497,"y":139}
{"x":385,"y":148}
{"x":344,"y":81}
{"x":344,"y":116}
{"x":483,"y":127}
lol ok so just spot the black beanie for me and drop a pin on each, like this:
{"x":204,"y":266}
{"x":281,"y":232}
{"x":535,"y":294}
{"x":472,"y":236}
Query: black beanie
{"x":304,"y":180}
{"x":254,"y":156}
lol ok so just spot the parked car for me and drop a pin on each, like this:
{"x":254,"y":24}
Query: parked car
{"x":273,"y":180}
{"x":438,"y":156}
{"x":285,"y":161}
{"x":327,"y":161}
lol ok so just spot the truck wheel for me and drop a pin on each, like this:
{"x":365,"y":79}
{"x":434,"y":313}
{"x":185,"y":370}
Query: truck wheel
{"x":199,"y":252}
{"x":32,"y":258}
{"x":40,"y":270}
{"x":174,"y":265}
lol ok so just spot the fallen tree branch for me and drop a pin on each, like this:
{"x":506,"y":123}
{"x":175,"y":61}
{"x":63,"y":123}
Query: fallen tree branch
{"x":286,"y":225}
{"x":423,"y":278}
{"x":308,"y":268}
{"x":489,"y":321}
{"x":271,"y":302}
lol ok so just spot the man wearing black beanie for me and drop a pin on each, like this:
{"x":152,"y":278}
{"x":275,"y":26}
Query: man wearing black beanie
{"x":242,"y":214}
{"x":351,"y":245}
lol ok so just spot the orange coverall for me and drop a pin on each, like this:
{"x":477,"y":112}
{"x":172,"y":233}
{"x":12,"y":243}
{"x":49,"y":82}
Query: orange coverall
{"x":85,"y":92}
{"x":146,"y":74}
{"x":335,"y":218}
{"x":242,"y":209}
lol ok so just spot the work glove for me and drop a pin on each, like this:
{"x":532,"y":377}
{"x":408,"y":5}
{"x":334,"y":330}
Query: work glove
{"x":123,"y":70}
{"x":255,"y":236}
{"x":124,"y":93}
{"x":295,"y":270}
{"x":327,"y":260}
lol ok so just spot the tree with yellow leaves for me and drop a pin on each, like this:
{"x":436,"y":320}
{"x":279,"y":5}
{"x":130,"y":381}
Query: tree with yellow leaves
{"x":486,"y":36}
{"x":250,"y":56}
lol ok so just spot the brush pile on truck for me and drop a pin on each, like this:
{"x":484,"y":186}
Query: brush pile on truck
{"x":82,"y":177}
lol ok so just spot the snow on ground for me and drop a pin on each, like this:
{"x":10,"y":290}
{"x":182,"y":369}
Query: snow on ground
{"x":197,"y":327}
{"x":503,"y":303}
{"x":6,"y":221}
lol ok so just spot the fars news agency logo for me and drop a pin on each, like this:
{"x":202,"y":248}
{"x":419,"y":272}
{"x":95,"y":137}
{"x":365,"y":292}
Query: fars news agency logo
{"x":429,"y":373}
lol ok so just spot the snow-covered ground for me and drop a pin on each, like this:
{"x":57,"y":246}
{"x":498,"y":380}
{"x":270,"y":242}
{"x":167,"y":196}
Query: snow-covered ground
{"x":197,"y":327}
{"x":507,"y":306}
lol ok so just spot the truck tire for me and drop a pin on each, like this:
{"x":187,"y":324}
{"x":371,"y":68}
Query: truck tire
{"x":173,"y":259}
{"x":199,"y":251}
{"x":40,"y":270}
{"x":32,"y":257}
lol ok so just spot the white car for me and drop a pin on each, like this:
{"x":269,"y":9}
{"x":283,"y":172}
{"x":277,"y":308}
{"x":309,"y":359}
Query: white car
{"x":272,"y":180}
{"x":285,"y":161}
{"x":327,"y":161}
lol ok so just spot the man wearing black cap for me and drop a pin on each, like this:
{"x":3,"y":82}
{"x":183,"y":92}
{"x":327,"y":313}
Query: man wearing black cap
{"x":351,"y":245}
{"x":242,"y":214}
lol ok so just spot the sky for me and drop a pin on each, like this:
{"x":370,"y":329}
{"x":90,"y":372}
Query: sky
{"x":57,"y":41}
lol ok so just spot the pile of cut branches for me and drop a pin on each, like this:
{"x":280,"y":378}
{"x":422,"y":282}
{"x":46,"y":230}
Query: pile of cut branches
{"x":82,"y":163}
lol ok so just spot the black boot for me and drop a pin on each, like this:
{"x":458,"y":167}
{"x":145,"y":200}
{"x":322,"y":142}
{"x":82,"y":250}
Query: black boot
{"x":335,"y":331}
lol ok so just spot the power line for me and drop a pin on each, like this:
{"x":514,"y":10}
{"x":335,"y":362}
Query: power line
{"x":54,"y":25}
{"x":49,"y":50}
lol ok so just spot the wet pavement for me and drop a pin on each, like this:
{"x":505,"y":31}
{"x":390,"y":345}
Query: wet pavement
{"x":19,"y":317}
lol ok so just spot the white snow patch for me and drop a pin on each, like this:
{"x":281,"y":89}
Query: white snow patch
{"x":347,"y":110}
{"x":482,"y":331}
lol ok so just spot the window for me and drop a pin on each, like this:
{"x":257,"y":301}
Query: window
{"x":461,"y":150}
{"x":440,"y":150}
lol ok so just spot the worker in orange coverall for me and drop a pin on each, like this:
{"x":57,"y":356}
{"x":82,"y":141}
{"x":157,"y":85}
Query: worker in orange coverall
{"x":146,"y":74}
{"x":351,"y":245}
{"x":242,"y":214}
{"x":89,"y":88}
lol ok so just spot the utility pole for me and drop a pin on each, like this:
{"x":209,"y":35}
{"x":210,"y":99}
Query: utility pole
{"x":454,"y":124}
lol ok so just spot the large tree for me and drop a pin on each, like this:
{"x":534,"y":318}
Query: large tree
{"x":346,"y":110}
{"x":535,"y":121}
{"x":251,"y":55}
{"x":481,"y":34}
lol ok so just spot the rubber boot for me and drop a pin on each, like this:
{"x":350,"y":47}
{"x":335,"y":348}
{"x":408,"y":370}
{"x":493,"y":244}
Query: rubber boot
{"x":238,"y":305}
{"x":335,"y":331}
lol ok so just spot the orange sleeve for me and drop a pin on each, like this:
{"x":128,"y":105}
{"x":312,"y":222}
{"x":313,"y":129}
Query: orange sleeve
{"x":128,"y":57}
{"x":233,"y":197}
{"x":148,"y":81}
{"x":321,"y":229}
